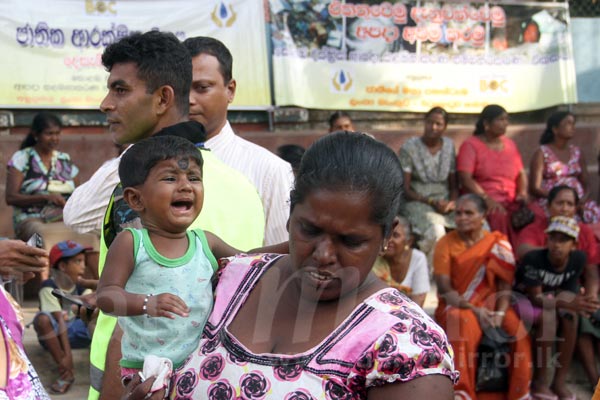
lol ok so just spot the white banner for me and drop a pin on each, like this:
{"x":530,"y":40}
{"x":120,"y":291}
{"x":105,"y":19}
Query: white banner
{"x":51,"y":49}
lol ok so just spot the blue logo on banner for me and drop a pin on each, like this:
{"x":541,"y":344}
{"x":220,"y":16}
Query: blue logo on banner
{"x":223,"y":15}
{"x":342,"y":81}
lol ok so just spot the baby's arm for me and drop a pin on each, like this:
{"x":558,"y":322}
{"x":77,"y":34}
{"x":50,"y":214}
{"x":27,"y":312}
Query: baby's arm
{"x":111,"y":295}
{"x":220,"y":249}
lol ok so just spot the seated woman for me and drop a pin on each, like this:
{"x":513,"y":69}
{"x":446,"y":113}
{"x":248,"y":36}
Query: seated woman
{"x":38,"y":180}
{"x":557,"y":162}
{"x":430,"y":181}
{"x":401,"y":266}
{"x":562,"y":201}
{"x":474,"y":271}
{"x":489,"y":164}
{"x":317,"y":323}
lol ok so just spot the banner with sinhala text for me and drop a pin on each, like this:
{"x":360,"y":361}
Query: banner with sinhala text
{"x":51,"y":49}
{"x":413,"y":55}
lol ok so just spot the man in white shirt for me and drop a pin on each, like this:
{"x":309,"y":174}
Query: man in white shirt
{"x":213,"y":88}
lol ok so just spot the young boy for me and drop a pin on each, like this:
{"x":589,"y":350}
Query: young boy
{"x":549,"y":279}
{"x":57,"y":328}
{"x":162,"y":270}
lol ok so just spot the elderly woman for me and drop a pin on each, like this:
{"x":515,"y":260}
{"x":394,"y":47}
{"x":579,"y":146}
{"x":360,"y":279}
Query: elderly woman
{"x":489,"y":164}
{"x":317,"y":323}
{"x":401,"y":266}
{"x":430,"y":180}
{"x":38,"y":181}
{"x":474,"y":270}
{"x":557,"y":162}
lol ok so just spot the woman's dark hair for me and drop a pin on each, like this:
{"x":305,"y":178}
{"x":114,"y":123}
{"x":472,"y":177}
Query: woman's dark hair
{"x":337,"y":115}
{"x":488,"y":114}
{"x":476,"y":199}
{"x":356,"y":162}
{"x":41,"y":121}
{"x":438,"y":110}
{"x":559,"y":188}
{"x":291,"y":153}
{"x":140,"y":158}
{"x":553,"y":122}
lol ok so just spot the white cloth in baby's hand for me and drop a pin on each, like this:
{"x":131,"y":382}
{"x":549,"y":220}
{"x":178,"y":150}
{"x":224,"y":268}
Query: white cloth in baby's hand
{"x":159,"y":367}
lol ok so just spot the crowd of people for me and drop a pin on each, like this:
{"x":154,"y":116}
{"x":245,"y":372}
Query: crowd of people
{"x":304,"y":275}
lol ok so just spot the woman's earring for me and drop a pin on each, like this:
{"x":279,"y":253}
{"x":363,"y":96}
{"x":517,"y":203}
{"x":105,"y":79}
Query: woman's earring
{"x":385,"y":247}
{"x":406,"y":247}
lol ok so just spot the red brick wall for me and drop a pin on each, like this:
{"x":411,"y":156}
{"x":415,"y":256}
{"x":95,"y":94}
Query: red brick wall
{"x":89,"y":147}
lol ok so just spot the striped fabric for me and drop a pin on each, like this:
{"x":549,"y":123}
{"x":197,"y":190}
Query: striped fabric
{"x":272,"y":177}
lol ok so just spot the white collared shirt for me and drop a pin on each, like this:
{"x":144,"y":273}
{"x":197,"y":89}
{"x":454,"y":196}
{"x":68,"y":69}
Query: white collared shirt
{"x":85,"y":208}
{"x":272,"y":177}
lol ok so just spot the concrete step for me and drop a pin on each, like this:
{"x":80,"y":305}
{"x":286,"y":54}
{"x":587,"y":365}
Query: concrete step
{"x":45,"y":366}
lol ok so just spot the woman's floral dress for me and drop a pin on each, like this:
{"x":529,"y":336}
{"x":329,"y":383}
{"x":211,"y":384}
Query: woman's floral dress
{"x":555,"y":172}
{"x":387,"y":338}
{"x":23,"y":382}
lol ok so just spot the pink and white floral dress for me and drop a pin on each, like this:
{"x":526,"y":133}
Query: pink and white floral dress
{"x":387,"y":338}
{"x":556,"y":172}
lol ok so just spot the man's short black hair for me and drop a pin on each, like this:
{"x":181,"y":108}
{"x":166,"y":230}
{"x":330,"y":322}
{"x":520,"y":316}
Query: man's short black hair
{"x":161,"y":59}
{"x":211,"y":46}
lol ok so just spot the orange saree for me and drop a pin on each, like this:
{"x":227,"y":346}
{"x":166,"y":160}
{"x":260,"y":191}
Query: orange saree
{"x":473,"y":274}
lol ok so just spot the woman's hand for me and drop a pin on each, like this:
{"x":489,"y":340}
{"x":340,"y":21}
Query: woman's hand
{"x":494,"y":206}
{"x":444,"y":207}
{"x":497,"y":319}
{"x":484,"y":316}
{"x":522,"y":198}
{"x":56,"y":199}
{"x":138,"y":390}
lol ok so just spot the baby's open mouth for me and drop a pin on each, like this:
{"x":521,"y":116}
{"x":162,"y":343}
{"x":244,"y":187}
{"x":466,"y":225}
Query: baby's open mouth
{"x":183,"y":204}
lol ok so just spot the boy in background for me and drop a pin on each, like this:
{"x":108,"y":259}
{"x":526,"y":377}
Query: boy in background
{"x":57,"y":328}
{"x":549,"y":278}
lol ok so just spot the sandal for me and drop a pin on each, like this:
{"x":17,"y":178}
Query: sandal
{"x":61,"y":386}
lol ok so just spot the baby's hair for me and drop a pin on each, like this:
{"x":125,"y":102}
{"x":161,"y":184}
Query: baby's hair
{"x":140,"y":158}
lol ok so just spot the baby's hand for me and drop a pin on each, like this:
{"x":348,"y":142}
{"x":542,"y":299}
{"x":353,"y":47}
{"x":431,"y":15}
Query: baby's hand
{"x":167,"y":305}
